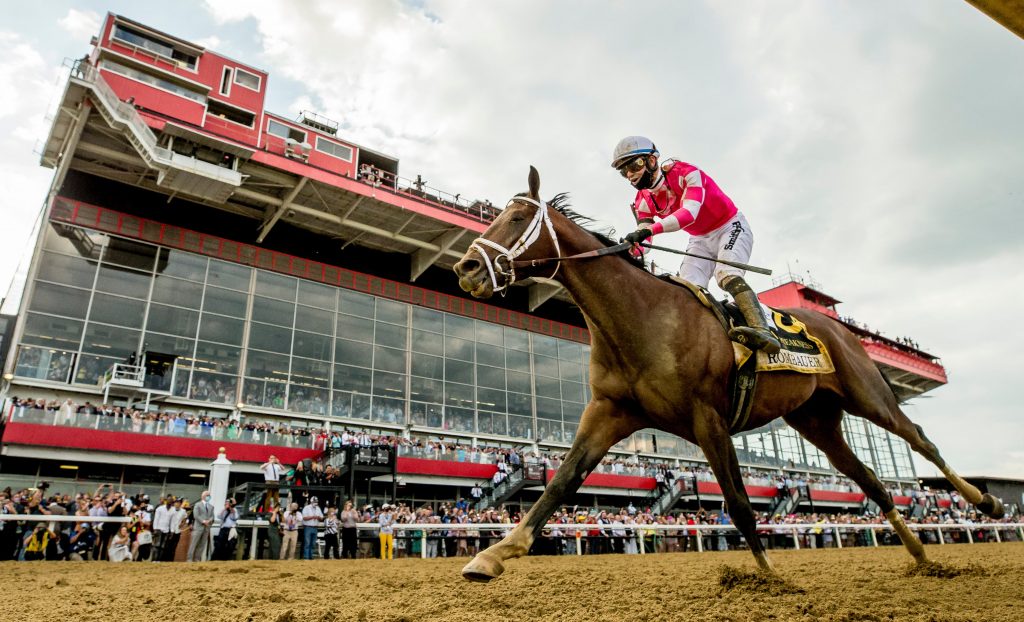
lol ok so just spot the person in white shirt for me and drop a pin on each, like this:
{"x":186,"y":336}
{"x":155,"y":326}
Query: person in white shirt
{"x":175,"y":521}
{"x":272,"y":472}
{"x":290,"y":523}
{"x":312,"y":515}
{"x":161,"y":528}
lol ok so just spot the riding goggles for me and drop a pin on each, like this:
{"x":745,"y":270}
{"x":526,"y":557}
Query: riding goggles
{"x":633,"y":166}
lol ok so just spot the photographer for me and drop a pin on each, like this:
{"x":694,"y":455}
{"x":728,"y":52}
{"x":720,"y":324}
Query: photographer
{"x":224,"y":547}
{"x":41,"y":543}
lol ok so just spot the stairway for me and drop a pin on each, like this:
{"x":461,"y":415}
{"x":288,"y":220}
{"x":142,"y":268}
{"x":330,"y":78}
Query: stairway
{"x":529,"y":475}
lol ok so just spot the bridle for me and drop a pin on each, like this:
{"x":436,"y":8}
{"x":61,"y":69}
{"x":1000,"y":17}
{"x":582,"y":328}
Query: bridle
{"x":541,"y":220}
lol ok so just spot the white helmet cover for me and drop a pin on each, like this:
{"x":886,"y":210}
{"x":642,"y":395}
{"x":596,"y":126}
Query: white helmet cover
{"x":632,"y":146}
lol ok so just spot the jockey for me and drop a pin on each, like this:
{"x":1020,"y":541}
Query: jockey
{"x":677,"y":195}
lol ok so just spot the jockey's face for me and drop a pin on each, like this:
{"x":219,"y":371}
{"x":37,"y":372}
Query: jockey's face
{"x":635,"y":169}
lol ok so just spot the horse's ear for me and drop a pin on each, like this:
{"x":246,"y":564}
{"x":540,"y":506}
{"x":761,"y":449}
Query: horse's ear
{"x":534,"y":183}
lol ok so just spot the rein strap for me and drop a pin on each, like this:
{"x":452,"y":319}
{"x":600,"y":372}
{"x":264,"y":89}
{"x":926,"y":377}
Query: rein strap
{"x":601,"y":252}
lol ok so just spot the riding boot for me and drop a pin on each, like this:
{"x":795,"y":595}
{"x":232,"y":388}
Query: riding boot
{"x":755,"y":335}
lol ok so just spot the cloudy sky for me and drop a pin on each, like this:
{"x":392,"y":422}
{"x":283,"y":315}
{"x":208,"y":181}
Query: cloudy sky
{"x":875,"y":147}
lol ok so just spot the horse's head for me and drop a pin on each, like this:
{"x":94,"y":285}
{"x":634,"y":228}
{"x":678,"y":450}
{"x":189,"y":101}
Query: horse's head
{"x":522,"y":232}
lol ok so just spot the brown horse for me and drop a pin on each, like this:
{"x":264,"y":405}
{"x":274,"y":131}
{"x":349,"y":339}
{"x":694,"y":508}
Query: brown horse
{"x":659,"y":359}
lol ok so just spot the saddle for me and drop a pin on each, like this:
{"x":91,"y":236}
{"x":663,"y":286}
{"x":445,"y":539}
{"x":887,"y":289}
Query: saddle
{"x":801,"y":352}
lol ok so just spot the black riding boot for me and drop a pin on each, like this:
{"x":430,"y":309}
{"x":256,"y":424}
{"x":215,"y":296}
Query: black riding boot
{"x":755,"y":335}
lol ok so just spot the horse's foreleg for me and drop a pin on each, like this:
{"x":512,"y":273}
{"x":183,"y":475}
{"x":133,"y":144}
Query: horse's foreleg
{"x":600,"y":427}
{"x":714,"y":440}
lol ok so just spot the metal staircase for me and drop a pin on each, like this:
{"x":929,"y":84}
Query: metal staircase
{"x":662,"y":502}
{"x":528,"y":475}
{"x":789,"y":502}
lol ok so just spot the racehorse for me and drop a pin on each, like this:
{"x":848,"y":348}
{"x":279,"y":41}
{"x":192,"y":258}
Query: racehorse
{"x":660,"y":359}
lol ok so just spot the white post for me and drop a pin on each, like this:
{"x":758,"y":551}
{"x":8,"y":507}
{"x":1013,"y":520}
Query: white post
{"x":423,"y":544}
{"x":938,"y":528}
{"x":579,"y":542}
{"x":220,"y":470}
{"x":839,"y":538}
{"x":640,"y":538}
{"x":252,"y":545}
{"x":995,"y":530}
{"x":874,"y":537}
{"x":970,"y":536}
{"x":700,"y":539}
{"x":796,"y":539}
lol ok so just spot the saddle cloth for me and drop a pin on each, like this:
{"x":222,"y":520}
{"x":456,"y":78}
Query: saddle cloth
{"x":802,"y":352}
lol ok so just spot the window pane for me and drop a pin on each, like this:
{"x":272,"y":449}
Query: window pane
{"x":110,"y":340}
{"x":172,"y":320}
{"x":548,"y":346}
{"x":312,"y":345}
{"x":182,"y":264}
{"x":490,"y":355}
{"x":230,"y":275}
{"x":490,"y":399}
{"x":211,"y":387}
{"x":266,"y":365}
{"x":225,"y":301}
{"x":489,"y":333}
{"x":427,"y":366}
{"x":458,"y":395}
{"x":117,"y":310}
{"x":458,"y":348}
{"x":518,"y":381}
{"x":352,"y":327}
{"x":570,"y":371}
{"x":428,"y":415}
{"x":123,"y":281}
{"x":391,"y":385}
{"x":130,"y":254}
{"x":459,"y":419}
{"x":545,"y":366}
{"x":267,"y":337}
{"x":392,"y":312}
{"x":317,"y":295}
{"x":314,"y":320}
{"x":168,"y":344}
{"x":314,"y":373}
{"x":517,"y":361}
{"x":360,"y":406}
{"x":91,"y":368}
{"x":276,"y":285}
{"x":341,"y":404}
{"x":389,"y":359}
{"x":390,"y":335}
{"x":177,"y":292}
{"x":430,"y":343}
{"x":548,"y":387}
{"x":549,"y":409}
{"x":353,"y":352}
{"x":273,"y":311}
{"x":348,"y":378}
{"x":459,"y":327}
{"x":60,"y":300}
{"x":425,"y":390}
{"x":458,"y":371}
{"x":355,"y":303}
{"x":261,"y":393}
{"x":426,"y":319}
{"x":517,"y":339}
{"x":217,"y":357}
{"x":493,"y":377}
{"x":67,"y":270}
{"x":572,"y":391}
{"x":53,"y":332}
{"x":388,"y":410}
{"x":44,"y":364}
{"x":74,"y":241}
{"x":306,"y":399}
{"x":520,"y":427}
{"x":519,"y":404}
{"x":222,"y":329}
{"x":569,"y":351}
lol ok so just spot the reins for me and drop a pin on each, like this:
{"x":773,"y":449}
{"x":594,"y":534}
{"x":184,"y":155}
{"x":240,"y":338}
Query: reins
{"x":601,"y":252}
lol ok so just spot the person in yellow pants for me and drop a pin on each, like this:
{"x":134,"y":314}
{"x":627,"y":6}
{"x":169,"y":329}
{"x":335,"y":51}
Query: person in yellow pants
{"x":387,"y":531}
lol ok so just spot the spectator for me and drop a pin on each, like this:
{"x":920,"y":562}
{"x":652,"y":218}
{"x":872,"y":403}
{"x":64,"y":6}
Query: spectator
{"x":312,"y":515}
{"x":224,"y":547}
{"x":272,"y":472}
{"x":272,"y":514}
{"x":387,"y":540}
{"x":202,"y":523}
{"x":120,"y":546}
{"x":349,"y":519}
{"x":162,"y":527}
{"x":292,"y":520}
{"x":176,"y":522}
{"x":331,"y":535}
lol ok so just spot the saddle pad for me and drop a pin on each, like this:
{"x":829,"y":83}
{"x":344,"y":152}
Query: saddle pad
{"x":801,"y":351}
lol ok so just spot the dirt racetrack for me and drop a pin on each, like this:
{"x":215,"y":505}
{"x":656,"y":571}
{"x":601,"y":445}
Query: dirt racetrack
{"x":840,"y":585}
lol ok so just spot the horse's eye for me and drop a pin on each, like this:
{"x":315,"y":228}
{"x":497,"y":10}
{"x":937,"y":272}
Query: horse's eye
{"x":518,"y":218}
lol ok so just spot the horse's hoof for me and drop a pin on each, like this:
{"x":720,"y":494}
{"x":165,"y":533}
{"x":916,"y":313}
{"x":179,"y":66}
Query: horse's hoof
{"x":483,"y":568}
{"x":991,"y":506}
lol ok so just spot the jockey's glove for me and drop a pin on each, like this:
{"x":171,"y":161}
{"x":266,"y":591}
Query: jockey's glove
{"x":638,"y":236}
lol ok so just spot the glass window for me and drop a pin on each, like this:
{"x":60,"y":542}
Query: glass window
{"x":66,"y":270}
{"x":130,"y":254}
{"x":491,"y":399}
{"x":427,"y":366}
{"x":572,"y":391}
{"x":217,"y":357}
{"x":110,"y":340}
{"x":285,"y":131}
{"x":391,"y":385}
{"x":276,"y":285}
{"x":306,"y":399}
{"x":429,"y":415}
{"x":317,"y":295}
{"x":572,"y":411}
{"x":44,"y":364}
{"x":360,"y":406}
{"x":520,"y":427}
{"x":389,"y":359}
{"x":349,"y":378}
{"x":431,"y":343}
{"x":353,"y":352}
{"x":246,"y":79}
{"x":226,"y":330}
{"x":458,"y":348}
{"x":312,"y":345}
{"x":493,"y":377}
{"x":549,"y":409}
{"x":459,"y":419}
{"x":307,"y":371}
{"x":172,"y":320}
{"x":334,"y":149}
{"x":74,"y":241}
{"x":177,"y":292}
{"x":314,"y":320}
{"x":392,"y":312}
{"x":548,"y":346}
{"x":458,"y":394}
{"x":91,"y":368}
{"x":117,"y":310}
{"x":212,"y":387}
{"x":355,"y":303}
{"x":570,"y":371}
{"x":266,"y":365}
{"x":168,"y":344}
{"x":352,"y":327}
{"x":491,"y":423}
{"x":267,"y":337}
{"x":517,"y":339}
{"x":549,"y":430}
{"x":273,"y":311}
{"x":518,"y":381}
{"x":181,"y":264}
{"x":390,"y":335}
{"x":548,"y":387}
{"x":517,"y":361}
{"x":426,"y":390}
{"x":569,"y":350}
{"x":341,"y":404}
{"x":458,"y":371}
{"x":60,"y":300}
{"x":490,"y":355}
{"x":54,"y":332}
{"x":520,"y":404}
{"x":225,"y":301}
{"x":545,"y":366}
{"x":426,"y":319}
{"x":229,"y":275}
{"x":489,"y":333}
{"x":459,"y":327}
{"x":264,"y":393}
{"x":123,"y":281}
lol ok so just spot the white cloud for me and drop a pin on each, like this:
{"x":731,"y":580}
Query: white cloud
{"x":81,"y":24}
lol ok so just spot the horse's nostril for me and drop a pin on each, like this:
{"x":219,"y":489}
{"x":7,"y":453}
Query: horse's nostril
{"x":467,"y":266}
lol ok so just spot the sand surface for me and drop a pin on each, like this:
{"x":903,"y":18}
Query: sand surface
{"x":841,"y":585}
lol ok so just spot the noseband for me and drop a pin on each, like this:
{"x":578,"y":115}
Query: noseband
{"x":541,"y":220}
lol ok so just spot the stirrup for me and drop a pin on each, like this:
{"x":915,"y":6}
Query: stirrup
{"x":756,"y":339}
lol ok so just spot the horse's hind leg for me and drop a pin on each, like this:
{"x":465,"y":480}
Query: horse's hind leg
{"x":869,"y":396}
{"x":714,"y":440}
{"x":601,"y":426}
{"x":819,"y":422}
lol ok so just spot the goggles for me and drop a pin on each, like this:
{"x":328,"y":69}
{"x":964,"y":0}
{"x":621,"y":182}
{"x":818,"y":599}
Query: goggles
{"x":633,"y":166}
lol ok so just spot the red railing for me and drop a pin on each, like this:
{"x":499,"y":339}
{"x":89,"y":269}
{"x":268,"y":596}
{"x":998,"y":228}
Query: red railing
{"x":110,"y":221}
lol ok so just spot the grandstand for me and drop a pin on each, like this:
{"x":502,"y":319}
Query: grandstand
{"x":256,"y":282}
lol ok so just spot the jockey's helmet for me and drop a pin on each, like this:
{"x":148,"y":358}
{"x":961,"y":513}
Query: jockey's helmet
{"x":633,"y":154}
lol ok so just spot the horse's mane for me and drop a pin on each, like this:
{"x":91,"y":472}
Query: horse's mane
{"x":560,"y":203}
